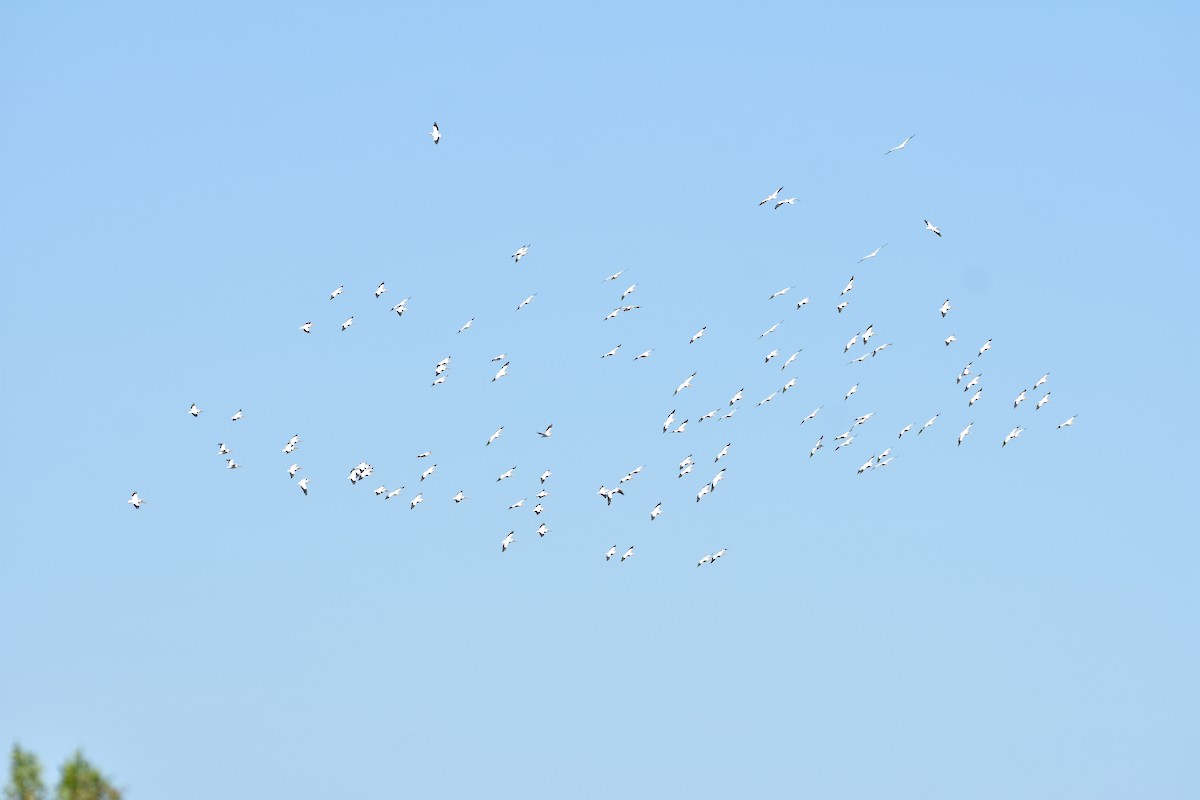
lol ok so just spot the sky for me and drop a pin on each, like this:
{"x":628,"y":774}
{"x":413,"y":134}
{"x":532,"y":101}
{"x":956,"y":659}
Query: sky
{"x":182,"y":187}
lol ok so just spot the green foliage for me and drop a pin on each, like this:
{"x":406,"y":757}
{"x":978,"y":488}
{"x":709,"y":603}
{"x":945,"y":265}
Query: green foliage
{"x":79,"y":780}
{"x":25,"y":777}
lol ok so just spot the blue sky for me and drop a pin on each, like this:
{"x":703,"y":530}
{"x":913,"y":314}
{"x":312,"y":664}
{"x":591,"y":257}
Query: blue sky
{"x":181,"y":188}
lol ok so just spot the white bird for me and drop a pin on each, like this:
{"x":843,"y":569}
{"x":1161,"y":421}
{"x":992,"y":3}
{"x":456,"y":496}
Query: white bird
{"x":705,"y":559}
{"x":964,"y":433}
{"x":507,"y":540}
{"x":724,"y":452}
{"x":546,"y":434}
{"x":820,"y":444}
{"x":849,"y":286}
{"x":293,"y":469}
{"x":986,"y":346}
{"x":853,"y":389}
{"x":770,"y":355}
{"x":507,"y":474}
{"x":1041,"y":380}
{"x":336,"y":292}
{"x":791,"y":358}
{"x":668,"y":421}
{"x":466,"y":325}
{"x":788,"y":385}
{"x":194,"y":411}
{"x":429,"y":472}
{"x":517,"y":504}
{"x":436,"y":133}
{"x":842,"y":306}
{"x":135,"y":501}
{"x":222,"y":450}
{"x":801,"y":304}
{"x":380,"y":490}
{"x":628,"y":553}
{"x":612,"y":352}
{"x":929,"y":423}
{"x":614,"y":276}
{"x":656,"y":512}
{"x":522,"y":251}
{"x":393,"y":493}
{"x":771,"y":196}
{"x":542,"y":530}
{"x":1069,"y":422}
{"x":545,"y":475}
{"x":767,"y":399}
{"x":770,"y":330}
{"x":538,"y":509}
{"x":945,"y":309}
{"x":612,"y":551}
{"x":697,"y":335}
{"x":347,"y":323}
{"x":791,"y":201}
{"x":237,"y":415}
{"x":501,"y":372}
{"x":687,"y":383}
{"x":526,"y":301}
{"x":975,"y":397}
{"x":380,"y":289}
{"x":781,"y":292}
{"x":306,"y":327}
{"x":905,"y":430}
{"x":643,"y":355}
{"x":737,"y":397}
{"x":951,"y":339}
{"x":929,"y":226}
{"x":628,"y":292}
{"x":870,"y":463}
{"x":900,"y":146}
{"x":231,"y":464}
{"x":1013,"y":434}
{"x":718,"y":554}
{"x":813,"y":415}
{"x":495,"y":435}
{"x":1042,"y":402}
{"x":681,"y":427}
{"x":459,"y":497}
{"x":872,"y":254}
{"x":303,"y":484}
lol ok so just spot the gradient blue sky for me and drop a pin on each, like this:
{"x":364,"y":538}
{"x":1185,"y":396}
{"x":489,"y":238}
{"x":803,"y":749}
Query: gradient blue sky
{"x":181,"y":188}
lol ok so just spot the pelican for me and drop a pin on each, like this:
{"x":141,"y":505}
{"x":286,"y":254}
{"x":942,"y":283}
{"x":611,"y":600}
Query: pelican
{"x":436,"y":133}
{"x":900,"y":146}
{"x":501,"y":372}
{"x":656,"y":512}
{"x":964,"y":433}
{"x":303,"y":484}
{"x":1068,"y":422}
{"x":771,"y":196}
{"x":507,"y":540}
{"x":687,"y":383}
{"x":945,"y":309}
{"x":1042,"y":402}
{"x":495,"y":435}
{"x":507,"y":474}
{"x":135,"y":501}
{"x":697,"y":335}
{"x":546,"y":434}
{"x":522,"y":251}
{"x":791,"y":201}
{"x":306,"y":327}
{"x":872,"y":254}
{"x":347,"y":323}
{"x":929,"y":226}
{"x":628,"y":553}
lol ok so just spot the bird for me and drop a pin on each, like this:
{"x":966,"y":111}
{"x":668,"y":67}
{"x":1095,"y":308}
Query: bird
{"x":231,"y":464}
{"x":612,"y":352}
{"x":945,"y":309}
{"x":781,"y":292}
{"x":507,"y":540}
{"x":872,"y":254}
{"x":195,"y":411}
{"x":791,"y":358}
{"x":303,"y":484}
{"x":542,"y":530}
{"x":964,"y":433}
{"x":813,"y":415}
{"x":522,"y":251}
{"x":459,"y":496}
{"x":429,"y":472}
{"x":951,"y":339}
{"x":656,"y":512}
{"x":849,"y":286}
{"x":1013,"y":434}
{"x":135,"y":501}
{"x":506,"y":474}
{"x":347,"y":323}
{"x":306,"y":327}
{"x":628,"y":292}
{"x":900,"y":146}
{"x":380,"y":289}
{"x":770,"y":330}
{"x":771,"y":196}
{"x":668,"y":421}
{"x":545,"y":475}
{"x":501,"y":372}
{"x":697,"y":335}
{"x":687,"y":383}
{"x":393,"y":493}
{"x":336,"y":292}
{"x":1068,"y":422}
{"x":436,"y":133}
{"x":724,"y":452}
{"x":237,"y":415}
{"x":546,"y":434}
{"x":905,"y":430}
{"x":643,"y":355}
{"x":416,"y":501}
{"x":705,"y":559}
{"x":466,"y":325}
{"x":1042,"y":402}
{"x":293,"y":469}
{"x":737,"y":397}
{"x":495,"y":435}
{"x":817,"y":446}
{"x":791,"y":201}
{"x":842,"y":306}
{"x":986,"y":346}
{"x":928,"y":424}
{"x":1020,"y":399}
{"x":526,"y":301}
{"x":929,"y":226}
{"x":1041,"y":380}
{"x":853,"y":389}
{"x":612,"y":551}
{"x":628,"y":553}
{"x":975,"y":398}
{"x":802,"y":303}
{"x":770,"y":355}
{"x":517,"y":504}
{"x":222,"y":449}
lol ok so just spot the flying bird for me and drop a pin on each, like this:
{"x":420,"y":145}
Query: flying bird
{"x":436,"y":133}
{"x":900,"y":146}
{"x":929,"y":226}
{"x":771,"y":196}
{"x":872,"y":254}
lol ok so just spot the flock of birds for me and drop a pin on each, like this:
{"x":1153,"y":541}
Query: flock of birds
{"x":876,"y":461}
